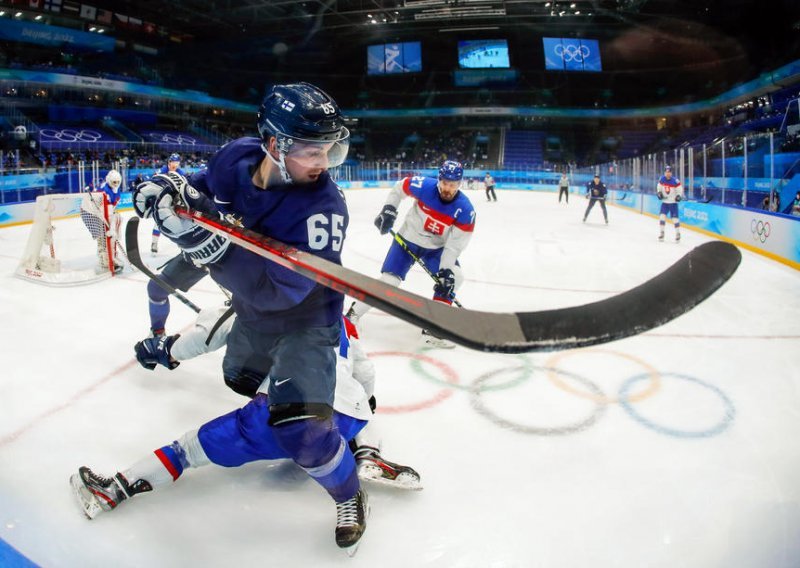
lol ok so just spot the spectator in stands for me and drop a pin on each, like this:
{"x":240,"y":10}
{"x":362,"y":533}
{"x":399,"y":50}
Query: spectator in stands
{"x":775,"y":204}
{"x":771,"y":202}
{"x":488,"y":180}
{"x":796,"y":205}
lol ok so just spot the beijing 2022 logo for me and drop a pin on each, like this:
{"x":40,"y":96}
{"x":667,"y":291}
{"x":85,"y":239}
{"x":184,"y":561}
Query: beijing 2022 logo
{"x":760,"y":229}
{"x":572,"y":52}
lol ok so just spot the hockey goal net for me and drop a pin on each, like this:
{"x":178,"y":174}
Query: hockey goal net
{"x":69,"y":242}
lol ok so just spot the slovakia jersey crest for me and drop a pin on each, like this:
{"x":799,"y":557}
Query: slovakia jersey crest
{"x":669,"y":184}
{"x":439,"y":216}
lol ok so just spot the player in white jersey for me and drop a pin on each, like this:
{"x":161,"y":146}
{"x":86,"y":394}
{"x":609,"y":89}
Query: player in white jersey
{"x":243,"y":436}
{"x":670,"y":192}
{"x":436,"y":230}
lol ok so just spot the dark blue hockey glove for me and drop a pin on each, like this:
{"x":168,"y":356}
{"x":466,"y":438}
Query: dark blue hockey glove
{"x":200,"y":245}
{"x":446,"y":286}
{"x":156,"y":351}
{"x":385,"y":221}
{"x":660,"y":195}
{"x":678,"y":198}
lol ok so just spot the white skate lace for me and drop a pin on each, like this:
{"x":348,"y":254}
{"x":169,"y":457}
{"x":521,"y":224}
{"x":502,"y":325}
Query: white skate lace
{"x":347,"y":513}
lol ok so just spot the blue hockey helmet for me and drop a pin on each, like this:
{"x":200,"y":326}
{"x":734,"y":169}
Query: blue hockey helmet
{"x":174,"y":158}
{"x":303,"y":117}
{"x":451,"y":171}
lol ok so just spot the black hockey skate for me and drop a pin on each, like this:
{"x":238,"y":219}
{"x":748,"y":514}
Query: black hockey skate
{"x":97,"y":494}
{"x":373,"y":468}
{"x":351,"y":521}
{"x":661,"y":237}
{"x":677,"y":237}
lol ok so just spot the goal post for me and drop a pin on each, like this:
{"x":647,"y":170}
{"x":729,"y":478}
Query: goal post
{"x":62,"y":251}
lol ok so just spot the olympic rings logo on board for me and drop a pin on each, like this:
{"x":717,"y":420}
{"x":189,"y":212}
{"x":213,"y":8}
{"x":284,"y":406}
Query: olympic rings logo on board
{"x":70,"y":135}
{"x":166,"y":138}
{"x":760,"y":230}
{"x":571,"y":52}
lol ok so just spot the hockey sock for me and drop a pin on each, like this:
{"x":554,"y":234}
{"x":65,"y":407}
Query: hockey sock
{"x":316,"y":445}
{"x":158,"y":304}
{"x":161,"y":467}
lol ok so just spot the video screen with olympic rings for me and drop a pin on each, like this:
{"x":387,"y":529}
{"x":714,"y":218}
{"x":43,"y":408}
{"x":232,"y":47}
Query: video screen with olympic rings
{"x":570,"y":54}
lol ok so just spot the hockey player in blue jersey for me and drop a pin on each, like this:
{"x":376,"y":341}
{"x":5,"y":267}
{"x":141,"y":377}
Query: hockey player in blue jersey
{"x":596,"y":193}
{"x":244,"y":435}
{"x":436,"y":229}
{"x":279,"y":185}
{"x":173,"y":165}
{"x":670,"y":191}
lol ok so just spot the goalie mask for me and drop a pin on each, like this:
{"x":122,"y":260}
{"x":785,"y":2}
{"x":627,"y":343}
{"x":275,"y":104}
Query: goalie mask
{"x":113,"y":179}
{"x":307,"y":127}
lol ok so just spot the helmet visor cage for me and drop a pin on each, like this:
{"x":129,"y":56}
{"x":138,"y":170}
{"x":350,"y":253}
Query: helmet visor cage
{"x":316,"y":153}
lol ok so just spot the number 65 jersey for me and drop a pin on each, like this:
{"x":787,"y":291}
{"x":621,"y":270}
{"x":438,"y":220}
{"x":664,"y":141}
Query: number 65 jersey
{"x":431,"y":222}
{"x":310,"y":217}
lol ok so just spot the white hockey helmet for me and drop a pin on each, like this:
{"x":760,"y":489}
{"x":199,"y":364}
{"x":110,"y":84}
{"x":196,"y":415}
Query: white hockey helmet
{"x":113,"y":179}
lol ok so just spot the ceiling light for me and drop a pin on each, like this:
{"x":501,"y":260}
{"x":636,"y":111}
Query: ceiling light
{"x":572,"y":5}
{"x":18,"y":14}
{"x":39,"y":17}
{"x":101,"y":31}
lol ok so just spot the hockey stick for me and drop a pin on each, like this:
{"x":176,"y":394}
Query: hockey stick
{"x":419,"y":261}
{"x":668,"y":295}
{"x":132,"y":244}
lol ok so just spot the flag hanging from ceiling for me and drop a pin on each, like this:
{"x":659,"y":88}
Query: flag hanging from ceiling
{"x":88,"y":12}
{"x":52,"y":5}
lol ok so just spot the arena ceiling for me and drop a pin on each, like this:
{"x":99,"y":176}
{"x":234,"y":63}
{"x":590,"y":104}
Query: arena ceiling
{"x":209,"y":19}
{"x":663,"y":50}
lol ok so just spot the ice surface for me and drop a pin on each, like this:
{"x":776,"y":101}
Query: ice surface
{"x":674,"y":448}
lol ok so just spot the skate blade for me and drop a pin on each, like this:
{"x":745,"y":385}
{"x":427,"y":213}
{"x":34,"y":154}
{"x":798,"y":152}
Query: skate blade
{"x":351,"y":550}
{"x":403,"y":482}
{"x":86,"y":501}
{"x":374,"y":475}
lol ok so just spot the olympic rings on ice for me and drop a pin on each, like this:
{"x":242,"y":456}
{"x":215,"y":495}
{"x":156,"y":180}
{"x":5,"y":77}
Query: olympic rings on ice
{"x":451,"y":377}
{"x":566,"y":381}
{"x":727,"y":416}
{"x":480,"y":407}
{"x":652,"y":372}
{"x":526,"y":373}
